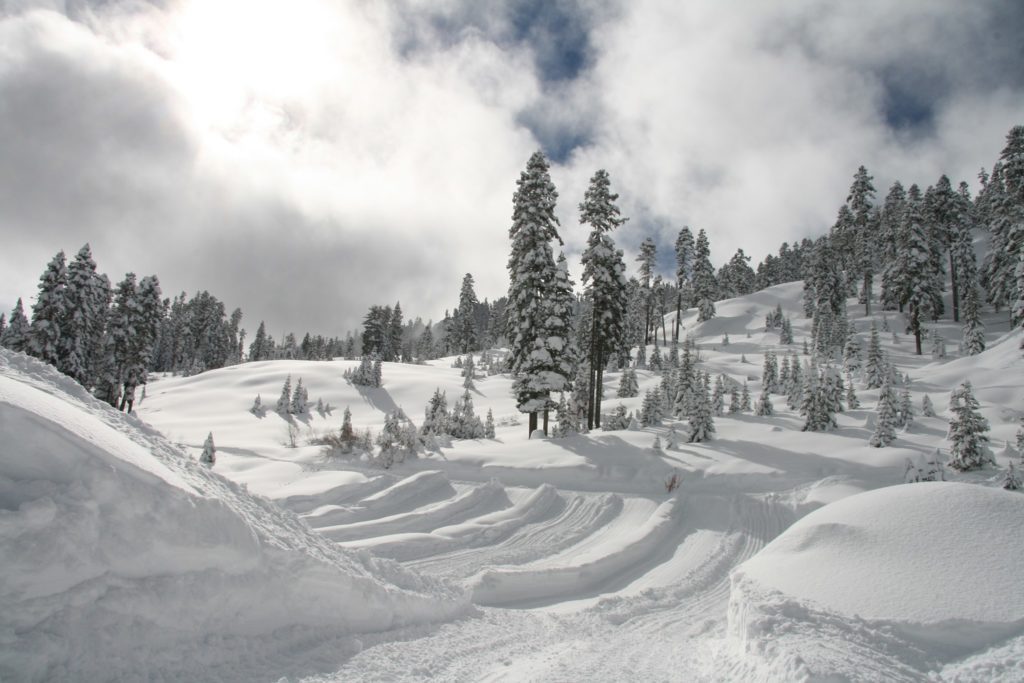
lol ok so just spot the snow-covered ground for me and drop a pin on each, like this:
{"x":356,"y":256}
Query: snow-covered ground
{"x":506,"y":559}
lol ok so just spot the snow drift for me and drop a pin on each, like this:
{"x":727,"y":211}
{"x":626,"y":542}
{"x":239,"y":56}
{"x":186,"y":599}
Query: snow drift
{"x":920,"y":574}
{"x":123,"y":559}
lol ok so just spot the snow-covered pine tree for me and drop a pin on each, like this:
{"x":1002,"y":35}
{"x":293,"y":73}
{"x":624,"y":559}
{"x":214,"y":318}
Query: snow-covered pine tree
{"x":763,"y":407}
{"x":852,"y":351}
{"x":389,"y":441}
{"x":784,"y":380}
{"x":647,"y":258}
{"x":852,"y":402}
{"x":656,"y":446}
{"x":770,"y":372}
{"x":88,"y":298}
{"x":284,"y":401}
{"x":704,"y":284}
{"x":257,"y":406}
{"x":919,"y":284}
{"x":16,"y":336}
{"x":684,"y":275}
{"x":876,"y":367}
{"x":864,"y":237}
{"x":735,"y":406}
{"x":786,"y":332}
{"x":532,"y":273}
{"x":888,"y":409}
{"x":655,"y":362}
{"x":377,"y":378}
{"x":436,"y":417}
{"x":347,"y":435}
{"x":672,"y":440}
{"x":702,"y":423}
{"x":718,"y":396}
{"x":618,"y":420}
{"x":1011,"y":480}
{"x":50,"y":313}
{"x":299,"y":399}
{"x":968,"y":431}
{"x":209,"y":456}
{"x":489,"y":425}
{"x":745,"y":399}
{"x":628,"y":384}
{"x":463,"y":331}
{"x":890,"y":219}
{"x":927,"y":408}
{"x":468,"y":368}
{"x":906,"y":409}
{"x":938,"y":345}
{"x":795,"y":395}
{"x":566,"y":424}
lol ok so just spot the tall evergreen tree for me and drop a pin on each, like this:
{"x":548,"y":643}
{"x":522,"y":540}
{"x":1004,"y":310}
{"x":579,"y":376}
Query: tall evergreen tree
{"x":605,"y":285}
{"x":88,"y":297}
{"x":16,"y":336}
{"x":647,"y":258}
{"x":684,"y":274}
{"x":865,"y":233}
{"x":916,"y":263}
{"x":50,"y":313}
{"x":532,"y":271}
{"x":464,"y":327}
{"x":704,"y":284}
{"x":890,"y":220}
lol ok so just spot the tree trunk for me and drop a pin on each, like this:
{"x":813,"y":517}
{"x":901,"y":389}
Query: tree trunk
{"x":597,"y":391}
{"x":647,"y":319}
{"x":545,"y":422}
{"x":679,"y":311}
{"x":956,"y":293}
{"x":868,"y":286}
{"x":915,"y":324}
{"x":533,"y":423}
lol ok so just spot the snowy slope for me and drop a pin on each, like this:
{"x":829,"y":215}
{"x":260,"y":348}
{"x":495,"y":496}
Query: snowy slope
{"x":581,"y":565}
{"x":120,"y":555}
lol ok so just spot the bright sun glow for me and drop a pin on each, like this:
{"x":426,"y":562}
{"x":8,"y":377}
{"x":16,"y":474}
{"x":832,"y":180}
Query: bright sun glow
{"x":230,"y":53}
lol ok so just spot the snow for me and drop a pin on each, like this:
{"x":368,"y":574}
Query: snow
{"x":783,"y":555}
{"x":120,"y":555}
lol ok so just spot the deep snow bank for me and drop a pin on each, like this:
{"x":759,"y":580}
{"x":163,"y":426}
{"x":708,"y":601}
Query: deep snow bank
{"x":120,"y":558}
{"x":924,"y":573}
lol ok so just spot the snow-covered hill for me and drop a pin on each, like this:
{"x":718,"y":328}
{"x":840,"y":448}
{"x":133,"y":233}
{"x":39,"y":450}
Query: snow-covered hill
{"x":579,"y":562}
{"x":122,"y":559}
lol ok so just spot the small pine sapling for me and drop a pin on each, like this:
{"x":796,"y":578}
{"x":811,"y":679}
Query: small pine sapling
{"x":656,"y":446}
{"x":734,"y":401}
{"x":489,"y":425}
{"x":968,"y":431}
{"x":672,"y":439}
{"x":885,"y":426}
{"x":209,"y":456}
{"x":1011,"y":478}
{"x":927,"y":408}
{"x":763,"y":407}
{"x":284,"y":401}
{"x":745,"y":399}
{"x":852,"y":402}
{"x":906,"y":409}
{"x":257,"y":406}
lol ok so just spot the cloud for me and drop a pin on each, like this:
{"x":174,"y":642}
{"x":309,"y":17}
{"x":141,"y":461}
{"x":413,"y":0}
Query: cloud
{"x":304,"y":161}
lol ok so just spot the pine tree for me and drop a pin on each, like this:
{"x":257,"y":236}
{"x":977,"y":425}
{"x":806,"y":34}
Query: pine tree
{"x":927,"y":408}
{"x":628,"y":384}
{"x":967,"y":431}
{"x":647,"y":258}
{"x":284,"y":401}
{"x":770,"y":373}
{"x":704,"y":283}
{"x":436,"y":418}
{"x":16,"y":336}
{"x":918,"y":284}
{"x":299,"y":399}
{"x":605,"y":285}
{"x":890,"y":219}
{"x":257,"y":406}
{"x":88,"y":297}
{"x":763,"y":407}
{"x":347,"y":434}
{"x":876,"y":367}
{"x":468,"y":368}
{"x":209,"y":456}
{"x":864,"y":229}
{"x":50,"y":313}
{"x":489,"y":425}
{"x":718,"y":396}
{"x":786,"y":332}
{"x":888,"y":408}
{"x":566,"y":425}
{"x":852,"y":402}
{"x":464,"y":332}
{"x":745,"y":399}
{"x":1011,"y":478}
{"x":684,"y":274}
{"x":377,"y":378}
{"x":532,"y":272}
{"x":906,"y":417}
{"x":393,"y":336}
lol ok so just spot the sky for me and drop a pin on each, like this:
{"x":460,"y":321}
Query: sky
{"x":304,"y":159}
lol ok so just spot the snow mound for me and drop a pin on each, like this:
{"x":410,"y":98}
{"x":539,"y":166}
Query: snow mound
{"x":933,"y":567}
{"x":124,"y":559}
